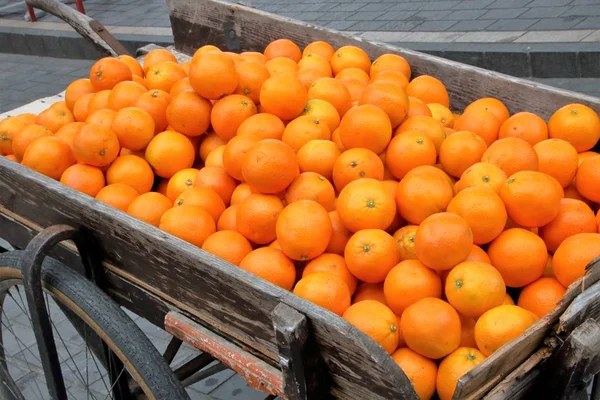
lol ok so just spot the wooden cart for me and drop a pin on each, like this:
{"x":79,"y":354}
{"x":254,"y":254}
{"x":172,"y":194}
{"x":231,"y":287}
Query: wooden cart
{"x":279,"y":343}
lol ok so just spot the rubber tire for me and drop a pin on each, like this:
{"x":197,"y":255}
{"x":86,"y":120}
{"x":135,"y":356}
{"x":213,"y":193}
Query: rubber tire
{"x":112,"y":321}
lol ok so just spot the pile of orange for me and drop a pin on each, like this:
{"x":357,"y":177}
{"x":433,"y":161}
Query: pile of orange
{"x":344,"y":180}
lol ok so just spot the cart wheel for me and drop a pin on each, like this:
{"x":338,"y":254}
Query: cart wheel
{"x":92,"y":335}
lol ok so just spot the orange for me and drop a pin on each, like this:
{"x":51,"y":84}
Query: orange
{"x":483,"y":210}
{"x":526,"y":126}
{"x":443,"y":240}
{"x":421,"y":371}
{"x":49,"y":156}
{"x":322,"y":111}
{"x":134,"y":128}
{"x":581,"y":157}
{"x":155,"y":56}
{"x":257,"y":216}
{"x":541,"y":296}
{"x":95,"y":146}
{"x":107,"y":72}
{"x":429,"y":90}
{"x":558,"y":159}
{"x":577,"y":124}
{"x":241,"y":192}
{"x":124,"y":94}
{"x":478,"y":254}
{"x":169,"y":152}
{"x":391,"y":98}
{"x":191,"y":223}
{"x":370,"y":291}
{"x":180,"y":181}
{"x":442,"y":114}
{"x":210,"y":141}
{"x":253,"y":56}
{"x":365,"y":126}
{"x":481,"y":122}
{"x":473,"y":287}
{"x":182,"y":85}
{"x":321,"y":48}
{"x":467,"y":327}
{"x":303,"y":129}
{"x":84,"y":178}
{"x":55,"y":117}
{"x":427,"y":125}
{"x":252,"y":74}
{"x":508,"y":300}
{"x":10,"y":127}
{"x":332,"y":91}
{"x":164,"y":75}
{"x":573,"y":255}
{"x":133,"y":64}
{"x":355,"y":164}
{"x":213,"y":75}
{"x":409,"y":150}
{"x":453,"y":367}
{"x":283,"y":96}
{"x":28,"y":118}
{"x":353,"y":73}
{"x":132,"y":171}
{"x":335,"y":138}
{"x":370,"y":254}
{"x":98,"y":101}
{"x":532,"y":198}
{"x":391,"y":77}
{"x":202,"y":197}
{"x":482,"y":174}
{"x":500,"y":325}
{"x":349,"y":57}
{"x":326,"y":290}
{"x":270,"y":166}
{"x":511,"y":155}
{"x":140,"y":80}
{"x":390,"y":62}
{"x":311,"y":186}
{"x":117,"y":195}
{"x":316,"y":63}
{"x":228,"y":114}
{"x":303,"y":230}
{"x":587,"y":180}
{"x":102,"y":118}
{"x":390,"y":186}
{"x":355,"y":87}
{"x":234,"y":154}
{"x":431,"y":327}
{"x":492,"y":105}
{"x":263,"y":126}
{"x":27,"y":135}
{"x":460,"y":151}
{"x":307,"y":76}
{"x":208,"y":48}
{"x":67,"y":133}
{"x":339,"y":236}
{"x":334,"y":264}
{"x":228,"y":245}
{"x":318,"y":156}
{"x":365,"y":204}
{"x":189,"y":113}
{"x":417,"y":107}
{"x":574,"y":217}
{"x":216,"y":178}
{"x":572,"y":193}
{"x":405,"y":237}
{"x":376,"y":321}
{"x":76,"y":89}
{"x":408,"y":282}
{"x":283,"y":48}
{"x":228,"y":220}
{"x":520,"y":256}
{"x":155,"y":103}
{"x":149,"y":207}
{"x":423,"y":191}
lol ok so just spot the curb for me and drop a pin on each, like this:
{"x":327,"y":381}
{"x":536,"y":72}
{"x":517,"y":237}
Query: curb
{"x":526,"y":60}
{"x":65,"y":44}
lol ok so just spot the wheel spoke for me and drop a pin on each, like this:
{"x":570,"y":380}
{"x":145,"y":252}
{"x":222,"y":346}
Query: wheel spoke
{"x":115,"y":382}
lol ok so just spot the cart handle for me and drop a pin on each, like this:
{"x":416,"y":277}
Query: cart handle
{"x":87,"y":27}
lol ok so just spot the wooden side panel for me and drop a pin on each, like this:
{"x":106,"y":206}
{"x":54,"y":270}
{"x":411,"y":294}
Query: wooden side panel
{"x":233,"y":301}
{"x":239,"y":28}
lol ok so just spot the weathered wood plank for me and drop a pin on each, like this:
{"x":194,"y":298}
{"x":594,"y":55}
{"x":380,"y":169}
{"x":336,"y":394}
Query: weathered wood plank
{"x":235,"y":27}
{"x":222,"y":296}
